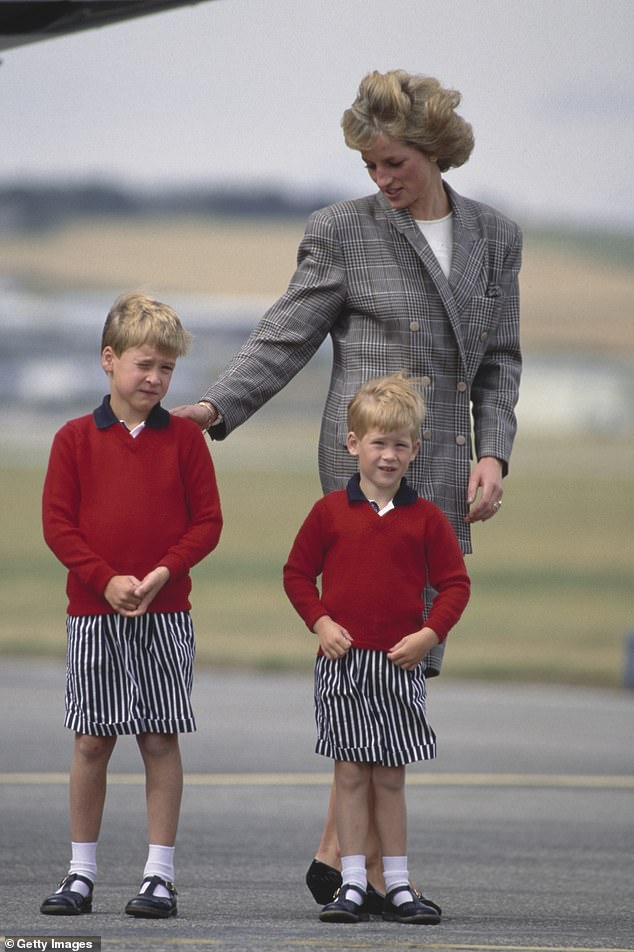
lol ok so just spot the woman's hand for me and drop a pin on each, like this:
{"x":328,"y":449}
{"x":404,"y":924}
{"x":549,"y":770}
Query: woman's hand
{"x":203,"y":413}
{"x":485,"y":479}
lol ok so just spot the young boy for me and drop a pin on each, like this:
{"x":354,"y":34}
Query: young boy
{"x":376,"y":545}
{"x":130,"y":503}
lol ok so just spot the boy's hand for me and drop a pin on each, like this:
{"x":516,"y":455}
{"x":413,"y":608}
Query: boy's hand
{"x":410,"y":650}
{"x":148,"y":589}
{"x":120,"y":593}
{"x":334,"y":640}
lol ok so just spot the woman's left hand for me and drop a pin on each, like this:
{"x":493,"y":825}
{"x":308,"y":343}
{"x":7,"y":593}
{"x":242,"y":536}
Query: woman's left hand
{"x":484,"y":493}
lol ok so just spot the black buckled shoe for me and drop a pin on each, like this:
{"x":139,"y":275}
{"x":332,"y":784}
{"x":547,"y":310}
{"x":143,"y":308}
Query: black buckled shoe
{"x":323,"y":881}
{"x":68,"y":902}
{"x":416,"y":911}
{"x":374,"y":902}
{"x":342,"y":909}
{"x":146,"y":905}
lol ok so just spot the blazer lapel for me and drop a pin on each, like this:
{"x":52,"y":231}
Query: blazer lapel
{"x":467,"y":257}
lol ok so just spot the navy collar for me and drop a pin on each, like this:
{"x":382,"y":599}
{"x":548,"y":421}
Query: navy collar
{"x":405,"y":495}
{"x":104,"y":416}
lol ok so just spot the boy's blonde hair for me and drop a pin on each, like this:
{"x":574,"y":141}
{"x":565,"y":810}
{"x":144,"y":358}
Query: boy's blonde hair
{"x":386,"y":404}
{"x":135,"y":319}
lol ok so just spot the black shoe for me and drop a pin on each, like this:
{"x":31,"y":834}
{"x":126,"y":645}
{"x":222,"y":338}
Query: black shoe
{"x":68,"y":902}
{"x":146,"y":905}
{"x":416,"y":911}
{"x":323,"y":881}
{"x":374,"y":902}
{"x":342,"y":909}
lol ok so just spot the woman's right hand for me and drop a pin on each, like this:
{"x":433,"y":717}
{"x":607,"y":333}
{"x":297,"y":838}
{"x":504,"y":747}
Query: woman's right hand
{"x":203,"y":414}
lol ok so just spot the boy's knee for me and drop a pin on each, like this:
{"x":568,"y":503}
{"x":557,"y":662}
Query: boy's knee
{"x":352,"y":776}
{"x":94,"y":748}
{"x":157,"y":745}
{"x":390,"y":779}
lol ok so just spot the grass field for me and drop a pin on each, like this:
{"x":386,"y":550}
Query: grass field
{"x":552,"y":575}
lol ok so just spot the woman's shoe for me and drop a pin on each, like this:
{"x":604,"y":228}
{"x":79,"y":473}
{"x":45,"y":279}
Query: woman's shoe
{"x":146,"y":905}
{"x":68,"y":902}
{"x":323,"y":881}
{"x":342,"y":909}
{"x":416,"y":911}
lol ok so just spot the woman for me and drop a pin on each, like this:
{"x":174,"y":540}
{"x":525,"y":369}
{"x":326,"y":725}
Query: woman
{"x":413,"y":278}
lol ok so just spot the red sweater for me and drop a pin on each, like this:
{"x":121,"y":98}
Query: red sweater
{"x":374,"y":568}
{"x":114,"y":505}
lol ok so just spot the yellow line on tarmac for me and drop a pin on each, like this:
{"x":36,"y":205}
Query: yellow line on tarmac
{"x":582,"y":781}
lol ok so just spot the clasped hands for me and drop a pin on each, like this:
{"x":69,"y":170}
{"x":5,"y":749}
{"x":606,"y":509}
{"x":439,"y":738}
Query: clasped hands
{"x":130,"y":596}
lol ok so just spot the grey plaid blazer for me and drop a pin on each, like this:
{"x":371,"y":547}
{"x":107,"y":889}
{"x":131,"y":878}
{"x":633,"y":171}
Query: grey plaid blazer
{"x":366,"y":276}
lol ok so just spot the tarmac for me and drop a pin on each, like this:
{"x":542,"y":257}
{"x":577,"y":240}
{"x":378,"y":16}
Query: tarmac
{"x":522,"y":829}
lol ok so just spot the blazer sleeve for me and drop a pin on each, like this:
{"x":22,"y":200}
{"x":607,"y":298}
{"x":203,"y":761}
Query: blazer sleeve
{"x":290,"y":332}
{"x":495,"y":389}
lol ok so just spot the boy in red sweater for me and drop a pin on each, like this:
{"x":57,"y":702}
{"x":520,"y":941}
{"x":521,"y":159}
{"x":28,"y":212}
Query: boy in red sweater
{"x":375,"y":545}
{"x":130,"y":503}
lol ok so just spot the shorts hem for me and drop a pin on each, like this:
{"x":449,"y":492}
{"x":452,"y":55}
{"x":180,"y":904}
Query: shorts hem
{"x":81,"y":726}
{"x":384,"y":758}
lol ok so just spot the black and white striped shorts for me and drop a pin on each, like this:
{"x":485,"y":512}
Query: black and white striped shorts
{"x":130,"y":675}
{"x":368,"y":710}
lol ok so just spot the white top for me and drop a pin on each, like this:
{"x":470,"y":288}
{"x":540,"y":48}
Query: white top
{"x":439,"y":237}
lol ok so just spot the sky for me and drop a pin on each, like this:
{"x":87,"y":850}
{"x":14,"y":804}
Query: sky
{"x":251,"y":92}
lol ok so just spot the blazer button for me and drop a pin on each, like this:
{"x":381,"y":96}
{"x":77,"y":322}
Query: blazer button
{"x":414,"y":326}
{"x":427,"y":434}
{"x":461,"y":440}
{"x":483,"y":336}
{"x":425,"y":381}
{"x":461,"y":386}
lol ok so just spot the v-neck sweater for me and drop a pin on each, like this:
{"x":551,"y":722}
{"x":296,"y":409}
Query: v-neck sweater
{"x":374,"y":568}
{"x":114,"y":505}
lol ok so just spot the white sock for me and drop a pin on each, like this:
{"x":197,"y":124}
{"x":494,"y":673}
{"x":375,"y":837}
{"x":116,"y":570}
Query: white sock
{"x":84,"y":863}
{"x":160,"y":862}
{"x":396,"y":873}
{"x":353,"y":872}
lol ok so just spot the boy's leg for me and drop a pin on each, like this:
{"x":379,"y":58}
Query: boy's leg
{"x":402,"y":904}
{"x":321,"y":878}
{"x":388,"y":784}
{"x":163,"y":785}
{"x":87,"y":795}
{"x":88,"y":780}
{"x":351,"y":806}
{"x":163,"y":791}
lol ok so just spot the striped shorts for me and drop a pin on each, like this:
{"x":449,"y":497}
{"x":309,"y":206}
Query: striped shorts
{"x":129,"y":675}
{"x":370,"y":711}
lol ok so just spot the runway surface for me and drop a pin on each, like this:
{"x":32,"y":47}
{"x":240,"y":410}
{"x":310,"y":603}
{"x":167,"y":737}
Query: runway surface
{"x":522,"y":830}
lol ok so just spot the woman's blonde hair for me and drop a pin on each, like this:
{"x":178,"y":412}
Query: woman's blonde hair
{"x":415,"y":110}
{"x":387,"y":404}
{"x":135,"y":319}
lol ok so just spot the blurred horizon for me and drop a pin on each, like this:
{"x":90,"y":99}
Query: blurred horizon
{"x":250,"y":93}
